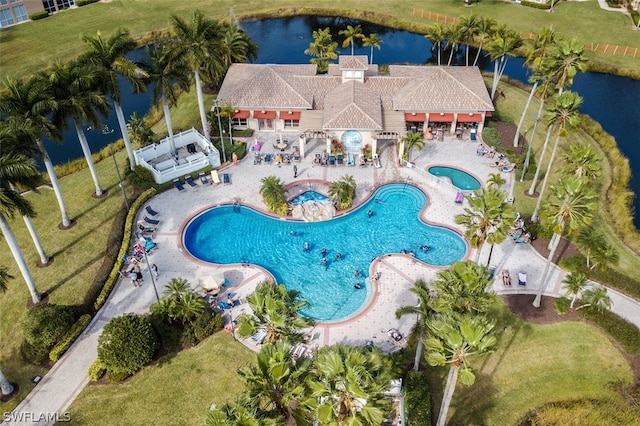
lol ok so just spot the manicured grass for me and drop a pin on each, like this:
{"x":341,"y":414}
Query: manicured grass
{"x":178,"y":389}
{"x":34,"y":45}
{"x":532,"y":365}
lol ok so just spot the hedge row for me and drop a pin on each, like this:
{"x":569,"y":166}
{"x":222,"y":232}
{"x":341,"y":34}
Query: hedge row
{"x":124,"y":248}
{"x":544,"y":6}
{"x":85,"y":2}
{"x":418,"y":399}
{"x":624,"y":332}
{"x":38,"y":15}
{"x":70,"y":336}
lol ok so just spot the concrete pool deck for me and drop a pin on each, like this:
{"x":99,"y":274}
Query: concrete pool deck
{"x":62,"y":384}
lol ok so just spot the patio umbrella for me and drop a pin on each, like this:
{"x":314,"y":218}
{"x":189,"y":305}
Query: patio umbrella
{"x":213,"y":281}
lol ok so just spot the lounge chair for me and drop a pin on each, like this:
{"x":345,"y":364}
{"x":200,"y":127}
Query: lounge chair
{"x":340,"y":160}
{"x":214,"y":177}
{"x":522,"y":279}
{"x":259,"y":336}
{"x":151,"y":221}
{"x":332,"y":160}
{"x":151,"y":211}
{"x":190,"y":181}
{"x":225,"y":178}
{"x":203,"y":178}
{"x":178,"y":184}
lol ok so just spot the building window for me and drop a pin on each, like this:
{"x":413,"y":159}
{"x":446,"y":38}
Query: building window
{"x":21,"y":13}
{"x":49,"y":5}
{"x":5,"y":18}
{"x":239,"y":122}
{"x":15,"y":1}
{"x":291,"y":124}
{"x":3,"y":2}
{"x":63,"y":4}
{"x":415,"y":126}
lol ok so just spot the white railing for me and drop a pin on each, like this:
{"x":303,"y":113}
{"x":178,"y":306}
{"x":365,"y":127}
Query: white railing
{"x":433,"y":180}
{"x":165,"y":171}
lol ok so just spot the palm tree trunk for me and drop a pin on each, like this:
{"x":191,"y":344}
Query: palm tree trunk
{"x":475,"y":62}
{"x":478,"y":250}
{"x":87,"y":155}
{"x":532,"y":188}
{"x":573,"y":300}
{"x":125,"y":134}
{"x":419,"y":350}
{"x":466,"y":52}
{"x":543,"y":281}
{"x":203,"y":114}
{"x":66,"y":222}
{"x":534,"y":217}
{"x":44,"y":259}
{"x":496,"y":78}
{"x":439,"y":51}
{"x":450,"y":56}
{"x":19,"y":258}
{"x":490,"y":254}
{"x":167,"y":119}
{"x":371,"y":60}
{"x":352,"y":47}
{"x":516,"y":138}
{"x":452,"y":380}
{"x":525,"y":166}
{"x":6,"y":388}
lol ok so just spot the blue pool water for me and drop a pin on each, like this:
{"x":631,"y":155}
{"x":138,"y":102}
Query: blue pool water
{"x":220,"y":235}
{"x":309,"y":196}
{"x":459,"y":179}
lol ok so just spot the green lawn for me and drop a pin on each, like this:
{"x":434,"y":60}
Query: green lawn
{"x":34,"y":45}
{"x":534,"y":364}
{"x":176,"y":390}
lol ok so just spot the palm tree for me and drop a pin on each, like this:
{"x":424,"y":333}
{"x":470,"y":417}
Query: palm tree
{"x":488,"y":214}
{"x":30,"y":102}
{"x":234,"y":46}
{"x":323,"y":48}
{"x":350,"y":35}
{"x":437,"y":34}
{"x":343,"y":191}
{"x":236,"y":413}
{"x":562,"y":114}
{"x":603,"y":256}
{"x":590,"y":240}
{"x":5,"y":276}
{"x":484,"y":34}
{"x":275,"y":310}
{"x":454,"y":36}
{"x":463,"y":289}
{"x":374,"y":40}
{"x":189,"y":307}
{"x":566,"y":58}
{"x":453,"y":340}
{"x":6,"y":388}
{"x":571,"y":209}
{"x":574,"y":283}
{"x":278,"y":382}
{"x":350,"y":385}
{"x":19,"y":138}
{"x":74,"y":87}
{"x":274,"y":194}
{"x":168,"y":74}
{"x":18,"y":170}
{"x":595,"y":299}
{"x":109,"y":58}
{"x":500,"y":48}
{"x":424,"y":311}
{"x":470,"y":27}
{"x":194,"y":41}
{"x":410,"y":141}
{"x":495,"y":180}
{"x":581,"y":160}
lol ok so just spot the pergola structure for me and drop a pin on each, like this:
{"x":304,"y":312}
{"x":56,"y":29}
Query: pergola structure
{"x":354,"y":105}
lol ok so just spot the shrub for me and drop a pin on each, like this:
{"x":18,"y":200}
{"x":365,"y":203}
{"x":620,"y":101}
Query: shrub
{"x":70,"y":336}
{"x":80,"y":3}
{"x":244,"y":133}
{"x":207,"y":324}
{"x":418,"y":399}
{"x":38,"y":15}
{"x":491,"y":136}
{"x":127,"y":343}
{"x":96,"y":371}
{"x":117,"y":376}
{"x":45,"y":325}
{"x":535,"y":5}
{"x":562,"y":305}
{"x":622,"y":331}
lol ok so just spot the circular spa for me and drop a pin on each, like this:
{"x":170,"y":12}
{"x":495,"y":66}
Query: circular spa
{"x":387,"y":223}
{"x":460,"y":179}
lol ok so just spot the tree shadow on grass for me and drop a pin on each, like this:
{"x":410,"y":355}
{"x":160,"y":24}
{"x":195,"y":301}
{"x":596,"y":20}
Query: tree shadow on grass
{"x":472,"y":403}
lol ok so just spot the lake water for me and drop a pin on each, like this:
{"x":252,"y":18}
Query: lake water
{"x":610,"y":100}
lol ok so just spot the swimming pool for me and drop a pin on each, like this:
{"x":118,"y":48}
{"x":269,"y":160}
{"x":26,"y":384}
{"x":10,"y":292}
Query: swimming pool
{"x":309,"y":196}
{"x":222,"y":235}
{"x":459,"y":179}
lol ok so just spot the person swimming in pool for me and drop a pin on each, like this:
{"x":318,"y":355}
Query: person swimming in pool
{"x":425,"y":248}
{"x":357,"y":274}
{"x":323,"y":252}
{"x":338,"y":256}
{"x":369,"y":212}
{"x":306,"y":246}
{"x":357,"y":286}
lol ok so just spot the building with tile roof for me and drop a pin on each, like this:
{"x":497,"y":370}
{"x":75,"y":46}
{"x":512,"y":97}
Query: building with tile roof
{"x":353,"y":104}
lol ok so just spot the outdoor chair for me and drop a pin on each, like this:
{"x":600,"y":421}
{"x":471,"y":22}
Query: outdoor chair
{"x":203,"y":179}
{"x":178,"y":184}
{"x":190,"y":181}
{"x":340,"y":160}
{"x":151,"y":221}
{"x":226,"y":179}
{"x":332,"y":160}
{"x":151,"y":211}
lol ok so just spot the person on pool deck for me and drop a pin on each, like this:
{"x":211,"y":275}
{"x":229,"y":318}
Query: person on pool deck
{"x":306,"y":246}
{"x":357,"y":286}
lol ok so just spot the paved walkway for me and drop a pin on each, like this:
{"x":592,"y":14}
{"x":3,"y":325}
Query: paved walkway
{"x":62,"y":384}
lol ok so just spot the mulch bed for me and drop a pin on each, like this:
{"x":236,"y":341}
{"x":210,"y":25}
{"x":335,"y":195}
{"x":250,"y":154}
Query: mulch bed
{"x":507,"y":132}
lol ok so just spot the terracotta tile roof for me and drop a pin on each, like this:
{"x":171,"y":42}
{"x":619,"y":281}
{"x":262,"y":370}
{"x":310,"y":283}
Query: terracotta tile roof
{"x":441,"y":89}
{"x":352,"y":105}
